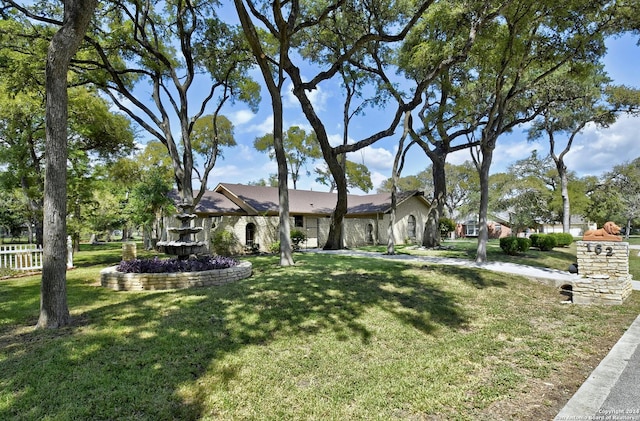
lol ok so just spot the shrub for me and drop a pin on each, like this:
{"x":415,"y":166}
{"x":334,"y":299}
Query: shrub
{"x":546,"y":242}
{"x":447,"y":225}
{"x":156,"y":265}
{"x":534,"y":239}
{"x":297,"y":237}
{"x":514,"y":245}
{"x":524,"y":244}
{"x":563,"y":239}
{"x":509,"y":245}
{"x":275,"y":247}
{"x":224,"y":242}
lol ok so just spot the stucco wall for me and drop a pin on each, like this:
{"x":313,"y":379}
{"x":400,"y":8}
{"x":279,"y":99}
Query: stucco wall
{"x":355,"y":229}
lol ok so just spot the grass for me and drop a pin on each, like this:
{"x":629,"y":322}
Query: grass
{"x":331,"y":338}
{"x":559,"y":258}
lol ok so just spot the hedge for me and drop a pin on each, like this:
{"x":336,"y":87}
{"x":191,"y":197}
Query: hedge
{"x":563,"y":239}
{"x":514,"y":245}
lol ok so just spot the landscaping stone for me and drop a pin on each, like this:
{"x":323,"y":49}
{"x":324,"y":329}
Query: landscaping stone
{"x":119,"y":281}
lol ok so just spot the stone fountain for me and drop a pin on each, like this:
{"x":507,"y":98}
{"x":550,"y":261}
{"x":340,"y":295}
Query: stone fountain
{"x":184,"y":246}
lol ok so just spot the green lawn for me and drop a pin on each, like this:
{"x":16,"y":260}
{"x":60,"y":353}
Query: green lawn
{"x":332,"y":338}
{"x":559,"y":258}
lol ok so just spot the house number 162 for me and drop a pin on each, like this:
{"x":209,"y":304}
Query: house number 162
{"x":598,"y":249}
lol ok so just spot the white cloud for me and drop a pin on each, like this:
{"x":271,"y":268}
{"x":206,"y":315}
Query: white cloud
{"x":336,"y":139}
{"x":509,"y":151}
{"x":377,"y":179}
{"x":241,"y":117}
{"x":598,"y":150}
{"x":318,"y":97}
{"x":594,"y":151}
{"x":261,"y":128}
{"x":374,"y":158}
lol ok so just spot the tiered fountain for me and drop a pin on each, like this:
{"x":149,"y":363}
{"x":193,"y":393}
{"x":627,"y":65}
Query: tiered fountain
{"x":184,"y":246}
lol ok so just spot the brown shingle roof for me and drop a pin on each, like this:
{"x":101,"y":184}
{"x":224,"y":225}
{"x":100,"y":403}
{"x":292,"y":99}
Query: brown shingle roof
{"x":215,"y":203}
{"x":256,"y":200}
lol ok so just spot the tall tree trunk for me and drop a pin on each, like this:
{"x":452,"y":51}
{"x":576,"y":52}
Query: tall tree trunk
{"x":483,"y":229}
{"x":335,"y":237}
{"x":431,"y":237}
{"x":284,"y":227}
{"x":566,"y":206}
{"x":391,"y":240}
{"x":275,"y":91}
{"x":54,"y":311}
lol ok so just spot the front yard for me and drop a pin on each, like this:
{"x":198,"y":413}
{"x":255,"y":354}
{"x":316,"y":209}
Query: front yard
{"x":331,"y":338}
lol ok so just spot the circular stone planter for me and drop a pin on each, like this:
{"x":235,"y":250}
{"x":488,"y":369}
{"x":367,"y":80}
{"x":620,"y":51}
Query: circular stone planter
{"x":119,"y":281}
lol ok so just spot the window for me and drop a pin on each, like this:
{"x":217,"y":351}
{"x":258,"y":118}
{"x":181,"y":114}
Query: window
{"x":250,"y":234}
{"x":298,"y":221}
{"x":411,"y":227}
{"x":471,"y":229}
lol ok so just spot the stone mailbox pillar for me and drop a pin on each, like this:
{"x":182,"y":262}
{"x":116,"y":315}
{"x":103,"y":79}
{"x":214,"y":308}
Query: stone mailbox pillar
{"x":603,"y":269}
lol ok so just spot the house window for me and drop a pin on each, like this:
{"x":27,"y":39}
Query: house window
{"x":250,"y":234}
{"x":370,"y":233}
{"x":411,"y":227}
{"x":471,"y":229}
{"x":298,"y":221}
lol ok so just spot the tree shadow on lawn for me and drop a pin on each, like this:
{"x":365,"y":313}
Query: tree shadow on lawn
{"x":131,"y":359}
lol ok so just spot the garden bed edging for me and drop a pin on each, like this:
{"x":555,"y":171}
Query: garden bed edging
{"x":119,"y":281}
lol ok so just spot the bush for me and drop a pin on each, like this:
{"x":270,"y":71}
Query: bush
{"x":524,"y":244}
{"x":447,"y":225}
{"x":155,"y":265}
{"x":297,"y":237}
{"x":275,"y":247}
{"x":534,"y":239}
{"x":546,"y":242}
{"x":509,"y":245}
{"x":514,"y":245}
{"x":563,"y":239}
{"x":224,"y":242}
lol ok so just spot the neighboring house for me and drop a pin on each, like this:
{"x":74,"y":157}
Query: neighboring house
{"x":498,"y":227}
{"x":251,"y":213}
{"x":577,"y":226}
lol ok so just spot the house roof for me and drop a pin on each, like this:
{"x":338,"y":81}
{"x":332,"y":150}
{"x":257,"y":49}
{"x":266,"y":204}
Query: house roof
{"x":215,"y":203}
{"x":241,"y":199}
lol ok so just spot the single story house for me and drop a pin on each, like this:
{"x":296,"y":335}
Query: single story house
{"x":497,"y":225}
{"x":577,"y":226}
{"x":251,"y":213}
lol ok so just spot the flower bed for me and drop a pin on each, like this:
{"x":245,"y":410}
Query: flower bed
{"x":120,"y":281}
{"x":156,"y":265}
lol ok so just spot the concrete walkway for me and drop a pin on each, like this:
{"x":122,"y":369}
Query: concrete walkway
{"x":612,"y":391}
{"x":552,"y":277}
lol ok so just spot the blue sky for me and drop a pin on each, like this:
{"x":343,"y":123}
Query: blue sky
{"x":594,"y":152}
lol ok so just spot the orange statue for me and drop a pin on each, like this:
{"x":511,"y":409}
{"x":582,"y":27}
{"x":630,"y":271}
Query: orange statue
{"x":608,"y":232}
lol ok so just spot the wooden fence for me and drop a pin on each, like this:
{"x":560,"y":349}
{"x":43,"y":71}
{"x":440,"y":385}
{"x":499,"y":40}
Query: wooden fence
{"x":21,"y":256}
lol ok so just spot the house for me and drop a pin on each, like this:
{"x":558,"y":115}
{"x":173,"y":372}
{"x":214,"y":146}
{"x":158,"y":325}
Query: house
{"x":251,"y":213}
{"x":577,"y":226}
{"x":497,"y":225}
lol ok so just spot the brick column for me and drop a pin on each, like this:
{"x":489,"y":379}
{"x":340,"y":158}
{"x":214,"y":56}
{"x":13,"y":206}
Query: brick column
{"x":603,"y":267}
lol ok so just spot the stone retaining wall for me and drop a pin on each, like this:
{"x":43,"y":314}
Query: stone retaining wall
{"x":603,"y":267}
{"x":111,"y":278}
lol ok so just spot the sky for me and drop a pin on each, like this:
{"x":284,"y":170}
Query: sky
{"x":594,"y":152}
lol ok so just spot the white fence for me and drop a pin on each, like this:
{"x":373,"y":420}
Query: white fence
{"x":21,"y":256}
